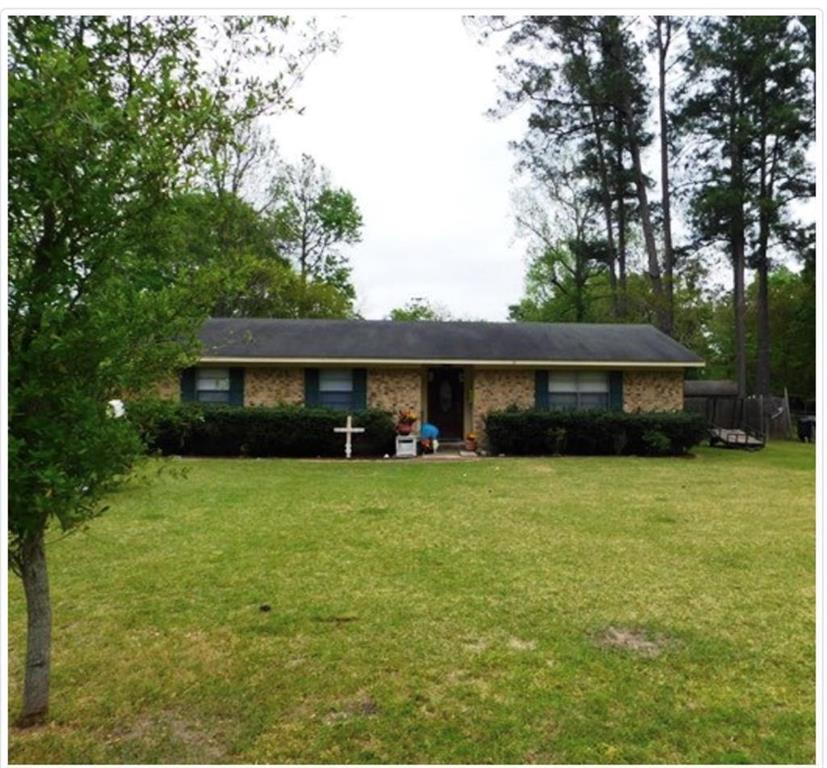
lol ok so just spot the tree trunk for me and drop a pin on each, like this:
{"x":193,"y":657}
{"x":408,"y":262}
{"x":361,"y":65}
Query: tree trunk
{"x":738,"y":270}
{"x":762,"y":378}
{"x":668,"y":256}
{"x":39,"y":631}
{"x":765,"y":200}
{"x":606,"y":201}
{"x":740,"y":306}
{"x":620,"y":197}
{"x":640,"y":185}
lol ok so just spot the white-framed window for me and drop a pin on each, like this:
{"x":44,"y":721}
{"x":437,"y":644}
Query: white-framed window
{"x":212,"y":385}
{"x":336,"y":388}
{"x":578,"y":390}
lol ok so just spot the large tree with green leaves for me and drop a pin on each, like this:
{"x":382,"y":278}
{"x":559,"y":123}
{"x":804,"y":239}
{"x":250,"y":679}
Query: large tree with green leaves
{"x":108,"y":121}
{"x":583,"y":81}
{"x":746,"y":119}
{"x":313,"y":220}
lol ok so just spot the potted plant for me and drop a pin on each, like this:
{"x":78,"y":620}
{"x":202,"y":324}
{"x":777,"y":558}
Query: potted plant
{"x":404,"y":424}
{"x":471,"y":442}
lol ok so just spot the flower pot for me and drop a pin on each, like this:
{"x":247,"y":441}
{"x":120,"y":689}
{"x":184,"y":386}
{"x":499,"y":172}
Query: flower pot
{"x":404,"y":429}
{"x":471,"y":444}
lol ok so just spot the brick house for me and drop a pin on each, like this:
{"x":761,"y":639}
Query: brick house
{"x":450,"y":373}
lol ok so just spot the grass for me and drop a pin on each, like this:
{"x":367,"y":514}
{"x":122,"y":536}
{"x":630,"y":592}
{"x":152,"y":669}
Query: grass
{"x":506,"y":610}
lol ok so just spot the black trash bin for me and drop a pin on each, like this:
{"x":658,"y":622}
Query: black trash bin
{"x":807,"y":429}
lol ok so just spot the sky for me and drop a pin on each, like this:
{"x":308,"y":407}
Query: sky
{"x":398,"y":116}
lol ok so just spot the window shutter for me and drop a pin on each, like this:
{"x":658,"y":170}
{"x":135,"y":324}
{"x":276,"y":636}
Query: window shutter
{"x":541,"y":390}
{"x":311,"y":387}
{"x":616,"y":390}
{"x":236,"y":386}
{"x":360,"y":389}
{"x":188,"y":385}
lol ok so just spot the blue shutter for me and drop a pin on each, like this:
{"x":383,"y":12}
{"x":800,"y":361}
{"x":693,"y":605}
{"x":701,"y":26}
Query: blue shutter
{"x":188,"y":385}
{"x":236,"y":386}
{"x":360,"y":389}
{"x":311,"y":387}
{"x":541,"y":390}
{"x":616,"y":390}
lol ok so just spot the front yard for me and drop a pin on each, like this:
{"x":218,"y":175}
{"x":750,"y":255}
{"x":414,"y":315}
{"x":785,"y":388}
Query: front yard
{"x":503,"y":610}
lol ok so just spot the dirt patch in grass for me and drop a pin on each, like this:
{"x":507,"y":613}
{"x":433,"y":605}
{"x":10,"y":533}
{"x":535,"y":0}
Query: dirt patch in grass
{"x":634,"y":640}
{"x":360,"y":706}
{"x":335,"y":619}
{"x":521,"y":645}
{"x":185,"y":737}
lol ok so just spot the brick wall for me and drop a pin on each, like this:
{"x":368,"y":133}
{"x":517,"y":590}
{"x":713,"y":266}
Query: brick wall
{"x":652,"y":391}
{"x":392,"y":389}
{"x":495,"y":390}
{"x":273,"y":386}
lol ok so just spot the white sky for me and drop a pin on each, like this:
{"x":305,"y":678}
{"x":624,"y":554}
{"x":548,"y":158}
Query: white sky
{"x":398,"y":116}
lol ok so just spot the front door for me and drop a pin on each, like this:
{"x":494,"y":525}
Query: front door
{"x":446,"y":400}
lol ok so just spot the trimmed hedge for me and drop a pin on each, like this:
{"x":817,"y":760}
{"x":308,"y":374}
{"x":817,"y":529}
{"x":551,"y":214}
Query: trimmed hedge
{"x":535,"y":433}
{"x":192,"y":429}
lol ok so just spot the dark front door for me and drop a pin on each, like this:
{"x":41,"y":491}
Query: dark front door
{"x":446,"y":399}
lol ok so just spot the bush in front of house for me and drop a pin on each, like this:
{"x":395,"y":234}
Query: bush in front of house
{"x":192,"y":429}
{"x":535,"y":433}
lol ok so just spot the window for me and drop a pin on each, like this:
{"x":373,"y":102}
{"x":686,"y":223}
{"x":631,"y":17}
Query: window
{"x":578,"y":390}
{"x":336,"y":388}
{"x":212,"y":385}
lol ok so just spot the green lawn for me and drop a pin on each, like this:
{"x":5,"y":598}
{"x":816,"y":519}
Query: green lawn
{"x":503,"y":610}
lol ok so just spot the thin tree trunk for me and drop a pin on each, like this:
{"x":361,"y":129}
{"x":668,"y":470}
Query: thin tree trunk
{"x":738,"y":259}
{"x":620,"y":198}
{"x":766,"y":193}
{"x":762,"y":377}
{"x":740,"y":306}
{"x":606,"y":200}
{"x":668,"y":255}
{"x":39,"y":631}
{"x":640,"y":185}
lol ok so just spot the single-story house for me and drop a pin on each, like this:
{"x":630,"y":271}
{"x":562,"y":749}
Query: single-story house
{"x":450,"y":373}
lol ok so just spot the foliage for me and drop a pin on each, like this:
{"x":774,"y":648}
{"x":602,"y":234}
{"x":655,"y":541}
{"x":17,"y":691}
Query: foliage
{"x":480,"y":585}
{"x":108,"y":120}
{"x":313,"y":219}
{"x":792,"y":323}
{"x":419,"y":308}
{"x":196,"y":430}
{"x":533,"y":432}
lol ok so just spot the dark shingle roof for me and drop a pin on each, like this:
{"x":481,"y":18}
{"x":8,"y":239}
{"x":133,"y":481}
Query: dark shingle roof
{"x":440,"y":341}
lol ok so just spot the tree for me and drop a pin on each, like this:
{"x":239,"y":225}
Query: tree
{"x":582,"y":78}
{"x":108,"y":117}
{"x":748,"y":104}
{"x":419,"y":308}
{"x":665,"y":28}
{"x":716,"y":115}
{"x":566,"y":254}
{"x":313,"y":220}
{"x":225,"y":237}
{"x":783,"y":130}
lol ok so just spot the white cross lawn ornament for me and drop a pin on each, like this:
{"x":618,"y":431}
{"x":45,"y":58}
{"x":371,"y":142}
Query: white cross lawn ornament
{"x":349,"y":430}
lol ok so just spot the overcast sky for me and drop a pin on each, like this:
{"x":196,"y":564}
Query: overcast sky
{"x":398,"y":116}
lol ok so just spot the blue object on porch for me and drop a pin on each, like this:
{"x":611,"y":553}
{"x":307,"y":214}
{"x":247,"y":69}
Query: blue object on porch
{"x":429,"y":431}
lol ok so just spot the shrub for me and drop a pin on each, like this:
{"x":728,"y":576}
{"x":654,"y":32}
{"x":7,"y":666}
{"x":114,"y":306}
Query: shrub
{"x":193,"y":429}
{"x":657,"y":444}
{"x":530,"y":432}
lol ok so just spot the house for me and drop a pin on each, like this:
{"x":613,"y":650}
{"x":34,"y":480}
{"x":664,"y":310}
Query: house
{"x":450,"y":373}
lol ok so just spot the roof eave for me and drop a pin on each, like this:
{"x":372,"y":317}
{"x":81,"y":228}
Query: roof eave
{"x":364,"y":361}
